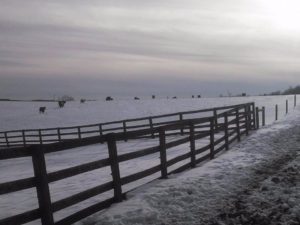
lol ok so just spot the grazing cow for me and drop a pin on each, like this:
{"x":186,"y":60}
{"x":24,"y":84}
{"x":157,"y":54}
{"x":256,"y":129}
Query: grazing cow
{"x":82,"y":100}
{"x":174,"y":97}
{"x":61,"y":104}
{"x":136,"y":98}
{"x":109,"y":98}
{"x":153,"y":96}
{"x":42,"y":109}
{"x":199,"y":96}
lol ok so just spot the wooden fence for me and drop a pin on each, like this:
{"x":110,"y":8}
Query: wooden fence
{"x":18,"y":138}
{"x":220,"y":130}
{"x":263,"y":112}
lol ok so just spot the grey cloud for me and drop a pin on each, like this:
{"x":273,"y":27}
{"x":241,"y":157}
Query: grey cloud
{"x":42,"y":37}
{"x":11,"y":63}
{"x":62,"y":39}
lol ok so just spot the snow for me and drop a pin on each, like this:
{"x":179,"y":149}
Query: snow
{"x":180,"y":195}
{"x":256,"y":182}
{"x":25,"y":115}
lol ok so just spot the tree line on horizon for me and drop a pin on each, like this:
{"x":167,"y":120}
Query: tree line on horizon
{"x":290,"y":91}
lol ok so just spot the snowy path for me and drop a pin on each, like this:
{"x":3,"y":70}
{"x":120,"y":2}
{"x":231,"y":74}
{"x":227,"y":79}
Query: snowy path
{"x":256,"y":182}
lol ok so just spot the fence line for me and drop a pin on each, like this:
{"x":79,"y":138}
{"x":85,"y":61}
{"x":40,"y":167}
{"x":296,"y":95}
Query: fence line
{"x":17,"y":138}
{"x":219,"y":130}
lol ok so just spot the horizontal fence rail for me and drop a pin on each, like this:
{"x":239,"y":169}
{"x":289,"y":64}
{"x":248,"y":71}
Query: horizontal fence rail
{"x":18,"y":138}
{"x":217,"y":131}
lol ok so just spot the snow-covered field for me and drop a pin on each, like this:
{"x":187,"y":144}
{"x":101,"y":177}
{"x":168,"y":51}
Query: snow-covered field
{"x":24,"y":115}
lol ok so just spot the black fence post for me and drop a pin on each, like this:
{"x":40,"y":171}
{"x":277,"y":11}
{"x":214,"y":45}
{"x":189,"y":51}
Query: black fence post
{"x":58,"y":134}
{"x":286,"y":106}
{"x":163,"y":153}
{"x":226,"y":126}
{"x":216,"y":120}
{"x":79,"y":132}
{"x":212,"y":138}
{"x":42,"y":186}
{"x":246,"y":119}
{"x":24,"y":138}
{"x":295,"y":100}
{"x":253,"y":116}
{"x":114,"y":164}
{"x":100,"y":130}
{"x":263,"y":116}
{"x":192,"y":145}
{"x":257,"y":117}
{"x":6,"y":139}
{"x":40,"y":137}
{"x":125,"y":130}
{"x":238,"y":131}
{"x":151,"y":127}
{"x":249,"y":117}
{"x":276,"y":112}
{"x":181,"y":119}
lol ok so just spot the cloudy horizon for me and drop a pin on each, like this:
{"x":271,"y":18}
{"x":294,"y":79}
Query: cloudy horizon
{"x":94,"y":48}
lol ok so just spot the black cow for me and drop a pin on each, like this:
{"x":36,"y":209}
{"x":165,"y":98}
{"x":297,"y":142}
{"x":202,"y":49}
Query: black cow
{"x":61,"y":104}
{"x":42,"y":109}
{"x":109,"y":98}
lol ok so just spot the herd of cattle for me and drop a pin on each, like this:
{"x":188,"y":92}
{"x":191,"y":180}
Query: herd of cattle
{"x":62,"y":103}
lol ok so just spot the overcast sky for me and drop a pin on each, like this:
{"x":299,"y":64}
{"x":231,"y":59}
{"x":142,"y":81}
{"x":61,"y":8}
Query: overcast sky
{"x":130,"y":47}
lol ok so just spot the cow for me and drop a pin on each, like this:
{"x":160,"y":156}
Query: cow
{"x":109,"y":98}
{"x":82,"y":100}
{"x":136,"y":98}
{"x":61,"y":104}
{"x":42,"y":109}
